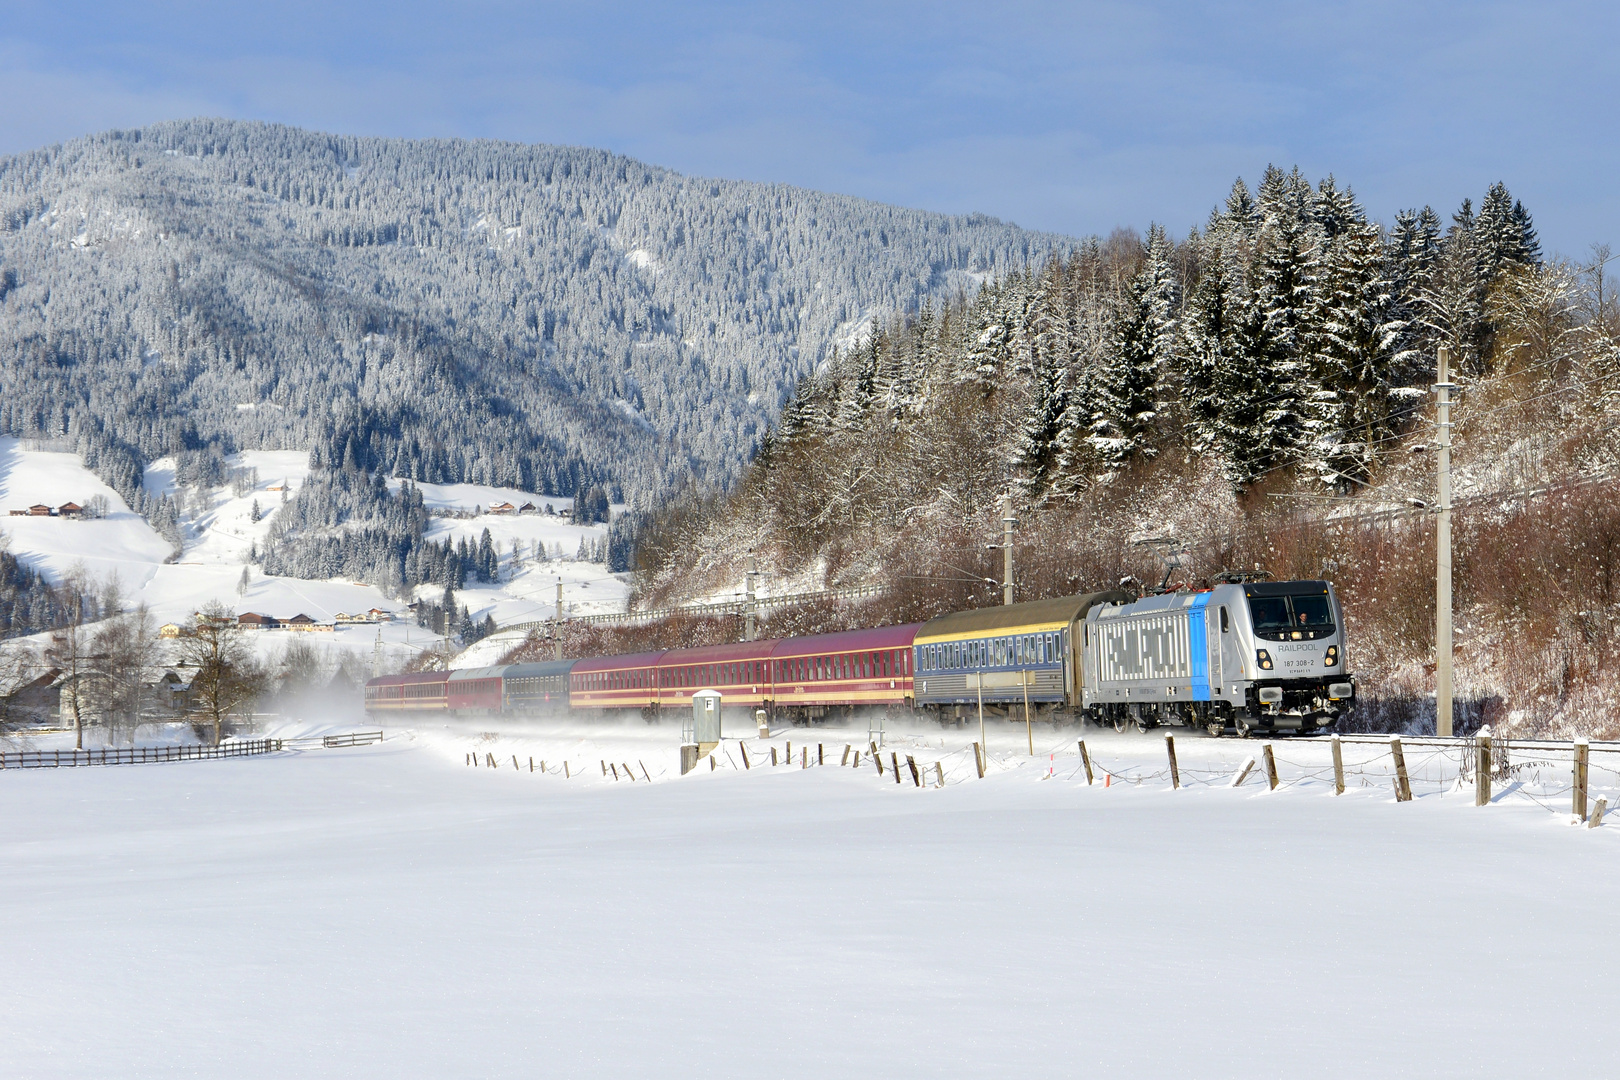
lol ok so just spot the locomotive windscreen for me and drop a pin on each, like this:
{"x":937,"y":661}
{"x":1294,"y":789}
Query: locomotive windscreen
{"x":1301,"y":616}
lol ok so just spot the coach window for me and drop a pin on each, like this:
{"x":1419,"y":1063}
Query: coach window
{"x":1225,"y":625}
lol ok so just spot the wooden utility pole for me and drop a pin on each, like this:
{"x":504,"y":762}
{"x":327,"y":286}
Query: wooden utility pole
{"x":1442,"y":547}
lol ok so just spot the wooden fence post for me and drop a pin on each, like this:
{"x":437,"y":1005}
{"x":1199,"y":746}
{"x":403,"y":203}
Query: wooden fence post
{"x":841,"y":764}
{"x":531,"y":764}
{"x":648,"y":776}
{"x":773,"y":755}
{"x":615,"y":769}
{"x":873,"y":746}
{"x":877,"y":759}
{"x":566,"y":774}
{"x":1175,"y":773}
{"x":1482,"y":769}
{"x":821,"y":758}
{"x":1085,"y":759}
{"x":1271,"y":766}
{"x":604,"y":768}
{"x":857,"y":761}
{"x":1338,"y":766}
{"x":789,"y":758}
{"x":1403,"y":786}
{"x":894,"y":763}
{"x":744,"y":748}
{"x":1598,"y":809}
{"x":804,"y":757}
{"x":939,"y":775}
{"x":1243,"y":772}
{"x":518,"y":768}
{"x":1578,"y":797}
{"x":978,"y":759}
{"x":542,"y":764}
{"x":916,"y":777}
{"x":631,"y":773}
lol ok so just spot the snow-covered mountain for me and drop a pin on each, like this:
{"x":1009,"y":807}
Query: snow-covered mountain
{"x":534,"y":317}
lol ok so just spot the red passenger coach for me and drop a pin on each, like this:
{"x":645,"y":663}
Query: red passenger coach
{"x":475,"y":690}
{"x":741,"y":672}
{"x":420,"y":691}
{"x":857,"y":667}
{"x":616,"y":682}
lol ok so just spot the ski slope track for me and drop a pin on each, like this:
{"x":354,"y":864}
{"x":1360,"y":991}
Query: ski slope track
{"x":393,"y":912}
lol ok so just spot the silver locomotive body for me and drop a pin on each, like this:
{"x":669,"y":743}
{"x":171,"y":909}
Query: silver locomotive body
{"x":1268,"y":655}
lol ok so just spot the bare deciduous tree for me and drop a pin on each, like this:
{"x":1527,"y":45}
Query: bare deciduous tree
{"x":225,"y":675}
{"x":125,"y":649}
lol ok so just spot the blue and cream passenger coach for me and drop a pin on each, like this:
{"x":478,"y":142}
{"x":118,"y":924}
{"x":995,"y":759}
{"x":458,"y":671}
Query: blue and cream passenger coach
{"x":1002,"y":652}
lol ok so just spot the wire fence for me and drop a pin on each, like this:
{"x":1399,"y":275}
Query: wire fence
{"x":1562,"y":777}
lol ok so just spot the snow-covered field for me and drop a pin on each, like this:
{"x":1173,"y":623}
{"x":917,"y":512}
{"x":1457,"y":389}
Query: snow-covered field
{"x":394,"y":912}
{"x":220,"y":534}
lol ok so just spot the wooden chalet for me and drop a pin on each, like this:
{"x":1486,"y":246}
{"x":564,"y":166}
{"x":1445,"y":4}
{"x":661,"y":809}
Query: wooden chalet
{"x":252,"y":620}
{"x":70,"y":510}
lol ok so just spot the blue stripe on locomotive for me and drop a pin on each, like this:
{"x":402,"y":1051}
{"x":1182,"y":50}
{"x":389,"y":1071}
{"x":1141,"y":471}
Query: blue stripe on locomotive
{"x":1198,"y":645}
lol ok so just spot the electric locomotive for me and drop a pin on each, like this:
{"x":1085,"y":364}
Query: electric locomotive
{"x":1240,"y":656}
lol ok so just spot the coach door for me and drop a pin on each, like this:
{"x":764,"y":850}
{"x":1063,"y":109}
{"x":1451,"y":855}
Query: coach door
{"x":1212,"y":638}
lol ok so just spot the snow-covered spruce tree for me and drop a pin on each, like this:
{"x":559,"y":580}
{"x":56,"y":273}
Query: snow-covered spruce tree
{"x":1503,"y":234}
{"x":995,"y":331}
{"x":1457,"y":298}
{"x":1416,"y":250}
{"x":1353,"y":335}
{"x":1213,"y":345}
{"x":1037,"y":450}
{"x":857,"y":378}
{"x":1126,"y":383}
{"x":1270,"y":425}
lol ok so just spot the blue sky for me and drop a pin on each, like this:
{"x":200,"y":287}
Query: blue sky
{"x":1073,"y":117}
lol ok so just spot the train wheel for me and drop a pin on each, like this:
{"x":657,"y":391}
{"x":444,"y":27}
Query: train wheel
{"x":1143,"y":725}
{"x":1119,"y":723}
{"x":1215,"y":728}
{"x":1243,"y":727}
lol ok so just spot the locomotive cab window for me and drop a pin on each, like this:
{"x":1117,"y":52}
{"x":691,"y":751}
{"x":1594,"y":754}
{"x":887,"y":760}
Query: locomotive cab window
{"x":1291,"y":618}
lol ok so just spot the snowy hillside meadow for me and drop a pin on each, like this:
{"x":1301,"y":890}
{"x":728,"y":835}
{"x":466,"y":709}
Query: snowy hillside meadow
{"x":218,"y":532}
{"x":393,"y":911}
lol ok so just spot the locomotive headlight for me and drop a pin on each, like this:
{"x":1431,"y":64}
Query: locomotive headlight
{"x":1264,"y":658}
{"x":1332,"y":657}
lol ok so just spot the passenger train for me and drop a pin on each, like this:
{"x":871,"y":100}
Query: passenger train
{"x":1237,"y":656}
